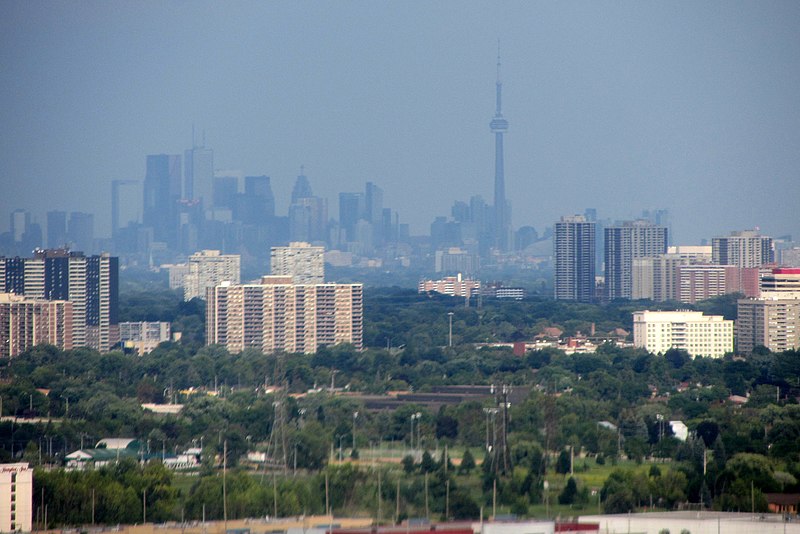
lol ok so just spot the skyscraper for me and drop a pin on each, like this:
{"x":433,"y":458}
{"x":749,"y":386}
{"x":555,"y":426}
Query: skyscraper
{"x":302,"y":187}
{"x":199,"y":175}
{"x":374,"y":210}
{"x":623,"y":244}
{"x":162,"y":191}
{"x":80,"y":231}
{"x":57,"y":228}
{"x":261,"y":201}
{"x":502,"y":209}
{"x":574,"y":249}
{"x":351,"y":209}
{"x":226,"y":187}
{"x":123,"y":211}
{"x":20,"y":220}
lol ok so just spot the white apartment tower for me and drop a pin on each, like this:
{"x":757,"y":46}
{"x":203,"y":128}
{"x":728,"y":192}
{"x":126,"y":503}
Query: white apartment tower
{"x":279,"y":315}
{"x":303,"y":262}
{"x":744,"y":249}
{"x":697,"y":334}
{"x":209,"y":268}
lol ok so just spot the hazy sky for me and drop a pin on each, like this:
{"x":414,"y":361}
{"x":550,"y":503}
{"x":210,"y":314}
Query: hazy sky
{"x":693,"y":106}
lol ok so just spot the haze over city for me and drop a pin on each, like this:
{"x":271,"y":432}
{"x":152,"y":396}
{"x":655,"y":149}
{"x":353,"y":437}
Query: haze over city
{"x":618,"y":106}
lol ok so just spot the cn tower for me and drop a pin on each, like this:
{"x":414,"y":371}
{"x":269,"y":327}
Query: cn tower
{"x":502,"y":215}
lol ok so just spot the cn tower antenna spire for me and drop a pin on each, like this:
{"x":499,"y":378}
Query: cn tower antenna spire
{"x":499,"y":86}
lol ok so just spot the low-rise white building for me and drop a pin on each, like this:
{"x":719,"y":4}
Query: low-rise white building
{"x":697,"y":334}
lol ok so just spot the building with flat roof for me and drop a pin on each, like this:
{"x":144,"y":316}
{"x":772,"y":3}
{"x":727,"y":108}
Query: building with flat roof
{"x":16,"y":498}
{"x":623,"y":244}
{"x":302,"y":261}
{"x":279,"y":315}
{"x":697,"y":334}
{"x":782,"y":282}
{"x":574,"y":251}
{"x":204,"y":270}
{"x":746,"y":248}
{"x":771,"y":320}
{"x":454,"y":286}
{"x":89,"y":283}
{"x":142,"y":337}
{"x":456,"y":260}
{"x":26,"y":322}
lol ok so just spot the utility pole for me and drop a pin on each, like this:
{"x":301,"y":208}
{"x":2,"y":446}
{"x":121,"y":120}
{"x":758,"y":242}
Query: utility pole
{"x":494,"y":498}
{"x":355,"y":416}
{"x":225,"y":484}
{"x":447,"y":500}
{"x":327,"y":496}
{"x":379,"y":497}
{"x":427,"y":509}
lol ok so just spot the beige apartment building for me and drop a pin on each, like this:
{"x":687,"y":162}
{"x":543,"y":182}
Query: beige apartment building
{"x":27,"y":322}
{"x":204,"y":270}
{"x":279,"y":315}
{"x":697,"y":334}
{"x":773,"y":319}
{"x":454,"y":286}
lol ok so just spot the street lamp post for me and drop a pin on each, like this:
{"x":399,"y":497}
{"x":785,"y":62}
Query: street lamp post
{"x":450,"y":337}
{"x":415,"y":416}
{"x":419,"y":430}
{"x":355,"y":416}
{"x":412,"y":434}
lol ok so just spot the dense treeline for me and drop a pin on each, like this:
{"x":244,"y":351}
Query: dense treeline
{"x":735,"y":453}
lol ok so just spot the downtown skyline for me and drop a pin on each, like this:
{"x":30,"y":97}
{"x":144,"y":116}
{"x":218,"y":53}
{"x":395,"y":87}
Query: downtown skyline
{"x":617,"y":107}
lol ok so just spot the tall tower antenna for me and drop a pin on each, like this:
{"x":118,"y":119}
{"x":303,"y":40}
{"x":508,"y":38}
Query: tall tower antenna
{"x":499,"y":126}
